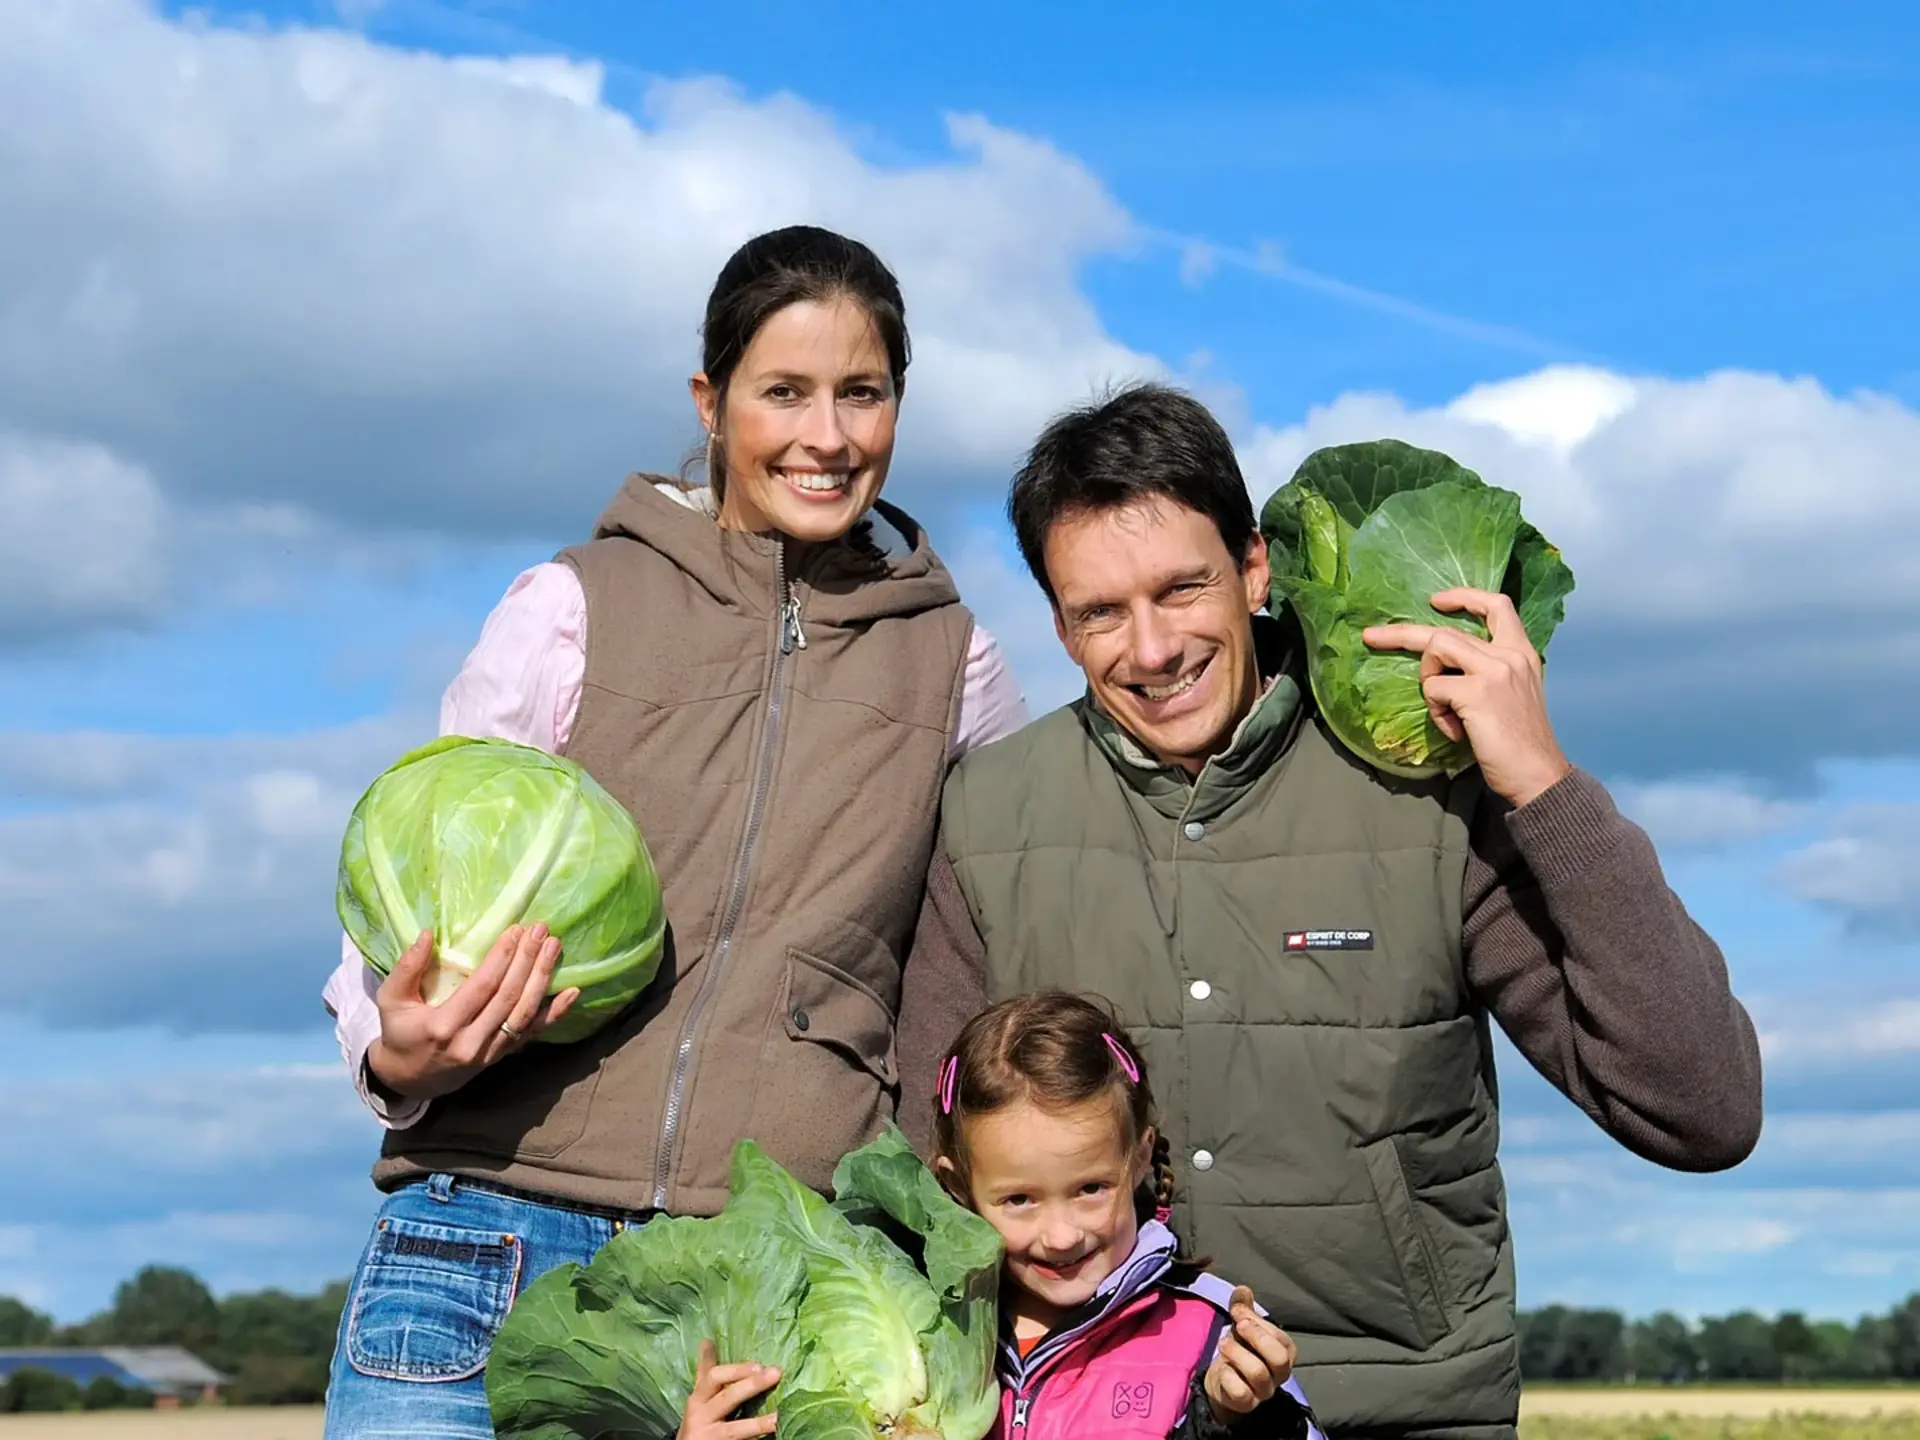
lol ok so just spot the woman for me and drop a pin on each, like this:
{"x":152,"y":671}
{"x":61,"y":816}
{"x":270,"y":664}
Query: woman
{"x":772,"y":672}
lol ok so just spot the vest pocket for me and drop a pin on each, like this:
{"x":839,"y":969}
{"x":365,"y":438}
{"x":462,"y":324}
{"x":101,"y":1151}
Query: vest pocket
{"x":824,"y":1005}
{"x":530,"y":1106}
{"x":824,"y":1083}
{"x":1422,"y":1279}
{"x":429,"y":1299}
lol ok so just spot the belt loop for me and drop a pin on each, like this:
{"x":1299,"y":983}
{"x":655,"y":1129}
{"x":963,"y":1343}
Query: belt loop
{"x":440,"y":1188}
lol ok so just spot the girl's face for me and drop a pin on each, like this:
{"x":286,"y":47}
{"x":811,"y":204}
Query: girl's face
{"x":807,"y":427}
{"x":1058,"y":1185}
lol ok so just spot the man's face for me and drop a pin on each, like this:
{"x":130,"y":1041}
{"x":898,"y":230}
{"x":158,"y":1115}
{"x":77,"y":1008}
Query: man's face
{"x":1155,"y":609}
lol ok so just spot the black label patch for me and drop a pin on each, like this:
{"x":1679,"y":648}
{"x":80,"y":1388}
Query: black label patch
{"x":1329,"y":940}
{"x":456,"y":1252}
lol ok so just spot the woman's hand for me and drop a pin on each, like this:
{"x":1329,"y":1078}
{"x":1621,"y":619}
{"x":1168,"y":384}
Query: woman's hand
{"x":431,"y":1050}
{"x":718,"y":1391}
{"x":1256,"y":1358}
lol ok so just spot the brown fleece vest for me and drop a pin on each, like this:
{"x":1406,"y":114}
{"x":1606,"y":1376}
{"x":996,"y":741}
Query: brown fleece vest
{"x":786,"y":781}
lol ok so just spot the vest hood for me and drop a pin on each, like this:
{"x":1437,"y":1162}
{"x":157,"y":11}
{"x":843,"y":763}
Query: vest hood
{"x":884,"y":567}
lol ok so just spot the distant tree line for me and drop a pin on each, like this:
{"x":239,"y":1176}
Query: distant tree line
{"x":276,"y":1346}
{"x":1568,"y":1345}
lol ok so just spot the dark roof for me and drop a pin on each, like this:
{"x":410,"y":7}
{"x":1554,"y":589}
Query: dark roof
{"x":79,"y":1366}
{"x":164,"y":1369}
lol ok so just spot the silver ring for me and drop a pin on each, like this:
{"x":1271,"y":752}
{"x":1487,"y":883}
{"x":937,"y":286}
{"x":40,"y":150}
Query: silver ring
{"x":508,"y":1031}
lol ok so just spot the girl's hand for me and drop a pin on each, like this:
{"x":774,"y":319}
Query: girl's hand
{"x":718,"y":1391}
{"x":1256,"y":1358}
{"x":429,"y":1050}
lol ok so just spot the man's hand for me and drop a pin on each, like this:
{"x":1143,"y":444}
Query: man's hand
{"x":1256,"y":1358}
{"x":1486,"y":692}
{"x":718,"y":1391}
{"x":430,"y":1050}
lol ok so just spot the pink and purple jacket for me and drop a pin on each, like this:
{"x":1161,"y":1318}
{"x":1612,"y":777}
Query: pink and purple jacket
{"x":1131,"y":1361}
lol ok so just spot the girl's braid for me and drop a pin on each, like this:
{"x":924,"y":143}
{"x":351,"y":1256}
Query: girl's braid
{"x":1162,"y":1175}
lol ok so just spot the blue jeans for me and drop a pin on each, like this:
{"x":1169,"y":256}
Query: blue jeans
{"x":446,"y":1260}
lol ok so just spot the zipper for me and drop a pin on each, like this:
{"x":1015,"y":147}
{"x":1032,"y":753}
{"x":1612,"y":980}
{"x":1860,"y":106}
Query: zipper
{"x":791,"y":636}
{"x":1141,"y":1272}
{"x":1037,"y":1369}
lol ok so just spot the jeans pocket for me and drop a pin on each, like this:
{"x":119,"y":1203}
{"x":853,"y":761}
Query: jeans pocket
{"x":429,"y":1299}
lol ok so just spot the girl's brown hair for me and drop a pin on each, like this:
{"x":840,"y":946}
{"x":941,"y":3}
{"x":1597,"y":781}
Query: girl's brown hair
{"x":1056,"y":1050}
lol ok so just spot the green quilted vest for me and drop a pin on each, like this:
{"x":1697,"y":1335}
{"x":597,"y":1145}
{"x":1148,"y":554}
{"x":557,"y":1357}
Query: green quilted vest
{"x":1282,"y":935}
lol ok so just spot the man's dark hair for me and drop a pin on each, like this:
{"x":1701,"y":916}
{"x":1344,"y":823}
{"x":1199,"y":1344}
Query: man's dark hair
{"x":1138,"y":442}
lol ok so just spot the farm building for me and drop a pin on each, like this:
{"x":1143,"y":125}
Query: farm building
{"x":172,"y":1374}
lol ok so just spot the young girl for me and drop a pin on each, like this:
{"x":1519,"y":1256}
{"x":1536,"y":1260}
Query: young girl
{"x":1045,"y":1126}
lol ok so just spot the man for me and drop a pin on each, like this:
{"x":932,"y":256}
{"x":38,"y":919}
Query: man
{"x":1309,"y":951}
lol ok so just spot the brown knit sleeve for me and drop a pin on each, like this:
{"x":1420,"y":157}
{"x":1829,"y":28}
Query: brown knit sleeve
{"x":1591,"y":964}
{"x":942,"y":987}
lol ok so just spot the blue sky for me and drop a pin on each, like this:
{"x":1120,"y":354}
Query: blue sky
{"x":311,"y":336}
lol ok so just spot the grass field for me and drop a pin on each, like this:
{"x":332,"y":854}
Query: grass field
{"x":1546,"y":1414}
{"x":1712,"y":1413}
{"x":279,"y":1423}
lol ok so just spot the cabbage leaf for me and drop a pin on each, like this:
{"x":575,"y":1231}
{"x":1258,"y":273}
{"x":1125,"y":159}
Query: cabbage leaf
{"x":880,"y":1308}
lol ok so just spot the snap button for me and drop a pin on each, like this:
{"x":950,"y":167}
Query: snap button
{"x":1195,"y":830}
{"x":800,"y":1020}
{"x":1203,"y":1160}
{"x":1200,"y":989}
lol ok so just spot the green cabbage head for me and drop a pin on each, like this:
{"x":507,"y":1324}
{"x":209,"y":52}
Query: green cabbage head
{"x":1365,"y":535}
{"x":880,"y":1309}
{"x":468,"y":836}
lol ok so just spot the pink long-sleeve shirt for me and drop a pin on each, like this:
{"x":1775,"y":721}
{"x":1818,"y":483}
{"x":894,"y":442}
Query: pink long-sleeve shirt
{"x":522,"y":682}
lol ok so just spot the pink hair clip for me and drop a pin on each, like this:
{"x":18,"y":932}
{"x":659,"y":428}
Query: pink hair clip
{"x":949,"y":1078}
{"x":1120,"y":1054}
{"x":1163,"y":1214}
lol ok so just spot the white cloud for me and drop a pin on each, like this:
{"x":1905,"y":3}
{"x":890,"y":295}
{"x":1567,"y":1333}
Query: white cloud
{"x":187,"y":882}
{"x":303,"y":269}
{"x":1867,"y":867}
{"x":248,"y":1176}
{"x":1704,"y":1241}
{"x":83,"y":537}
{"x":106,"y":765}
{"x":1593,"y":1236}
{"x":182,"y":1125}
{"x":1707,"y":812}
{"x":1889,"y":1028}
{"x":1556,"y":409}
{"x":1678,"y":503}
{"x":1844,"y":1137}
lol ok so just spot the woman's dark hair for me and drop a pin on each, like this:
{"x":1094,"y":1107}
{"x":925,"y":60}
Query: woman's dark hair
{"x":1057,"y":1051}
{"x":786,"y":267}
{"x":1140,"y":441}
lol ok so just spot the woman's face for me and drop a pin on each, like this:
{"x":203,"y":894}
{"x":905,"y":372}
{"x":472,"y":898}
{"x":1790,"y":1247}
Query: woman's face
{"x":807,"y":424}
